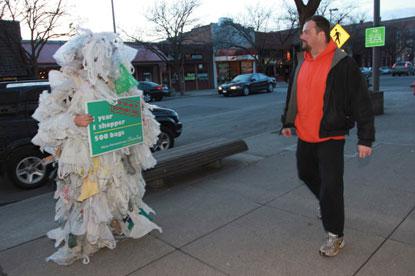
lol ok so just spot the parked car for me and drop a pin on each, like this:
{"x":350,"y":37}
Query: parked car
{"x":152,"y":91}
{"x":385,"y":70}
{"x":366,"y":72}
{"x":246,"y":84}
{"x":403,"y":68}
{"x":20,"y":159}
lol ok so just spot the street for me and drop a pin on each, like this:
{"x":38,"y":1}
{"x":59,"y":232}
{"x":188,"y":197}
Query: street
{"x":209,"y":115}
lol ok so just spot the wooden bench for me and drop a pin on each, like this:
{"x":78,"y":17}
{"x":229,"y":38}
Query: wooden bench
{"x":186,"y":158}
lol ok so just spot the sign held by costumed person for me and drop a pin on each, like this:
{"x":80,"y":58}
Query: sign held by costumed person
{"x":114,"y":126}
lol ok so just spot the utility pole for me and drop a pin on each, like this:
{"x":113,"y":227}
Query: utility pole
{"x":113,"y":16}
{"x":376,"y":50}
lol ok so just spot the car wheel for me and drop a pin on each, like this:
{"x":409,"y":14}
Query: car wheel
{"x":25,"y":168}
{"x":165,"y":141}
{"x":245,"y":91}
{"x":270,"y":88}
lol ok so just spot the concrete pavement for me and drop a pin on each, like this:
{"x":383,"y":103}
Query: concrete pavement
{"x":252,"y":216}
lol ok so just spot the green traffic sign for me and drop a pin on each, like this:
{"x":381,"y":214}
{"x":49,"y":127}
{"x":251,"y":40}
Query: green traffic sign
{"x":375,"y":37}
{"x":114,"y":126}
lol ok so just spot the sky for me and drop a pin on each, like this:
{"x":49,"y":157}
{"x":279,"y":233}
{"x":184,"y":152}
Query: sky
{"x":130,"y":14}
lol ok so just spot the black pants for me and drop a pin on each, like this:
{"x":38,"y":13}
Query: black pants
{"x":321,"y":167}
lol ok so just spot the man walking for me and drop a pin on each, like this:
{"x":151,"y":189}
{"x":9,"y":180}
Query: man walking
{"x":326,"y":96}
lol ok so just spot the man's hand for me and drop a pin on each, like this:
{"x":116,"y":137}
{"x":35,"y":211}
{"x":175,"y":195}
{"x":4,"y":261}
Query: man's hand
{"x":82,"y":120}
{"x":286,"y":132}
{"x":364,"y":151}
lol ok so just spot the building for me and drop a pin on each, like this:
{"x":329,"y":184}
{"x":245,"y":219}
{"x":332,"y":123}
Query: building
{"x":12,"y":63}
{"x":147,"y":65}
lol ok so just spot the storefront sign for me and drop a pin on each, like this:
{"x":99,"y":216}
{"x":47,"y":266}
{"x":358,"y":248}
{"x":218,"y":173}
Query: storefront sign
{"x":114,"y":126}
{"x":190,"y":76}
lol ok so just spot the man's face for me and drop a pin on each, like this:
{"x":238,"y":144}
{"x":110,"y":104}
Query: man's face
{"x":309,"y":37}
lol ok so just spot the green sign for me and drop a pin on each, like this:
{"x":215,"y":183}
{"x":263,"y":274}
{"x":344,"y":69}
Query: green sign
{"x":375,"y":37}
{"x":114,"y":126}
{"x":190,"y":76}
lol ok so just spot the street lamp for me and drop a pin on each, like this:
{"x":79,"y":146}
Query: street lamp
{"x":332,"y":10}
{"x":113,"y":16}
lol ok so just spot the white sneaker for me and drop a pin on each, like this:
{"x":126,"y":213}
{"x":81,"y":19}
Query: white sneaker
{"x":331,"y":247}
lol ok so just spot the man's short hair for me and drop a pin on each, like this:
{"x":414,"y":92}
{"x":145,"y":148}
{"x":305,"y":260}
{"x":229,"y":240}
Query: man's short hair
{"x":322,"y":25}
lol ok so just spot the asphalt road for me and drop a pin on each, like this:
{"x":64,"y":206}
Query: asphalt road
{"x":208,"y":116}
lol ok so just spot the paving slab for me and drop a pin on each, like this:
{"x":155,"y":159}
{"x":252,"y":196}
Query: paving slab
{"x":178,"y":263}
{"x":406,"y":231}
{"x":260,"y":182}
{"x":272,"y":242}
{"x":391,"y":166}
{"x":187,"y":212}
{"x":127,"y":257}
{"x":26,"y":220}
{"x":393,"y":258}
{"x":269,"y":143}
{"x":368,"y":209}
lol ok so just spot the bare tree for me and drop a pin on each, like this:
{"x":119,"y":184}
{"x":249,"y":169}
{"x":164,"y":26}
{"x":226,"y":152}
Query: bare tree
{"x":306,"y":10}
{"x":171,"y":21}
{"x":41,"y":19}
{"x":2,"y":9}
{"x":245,"y":33}
{"x":337,"y":11}
{"x":289,"y":21}
{"x":257,"y":17}
{"x":399,"y":42}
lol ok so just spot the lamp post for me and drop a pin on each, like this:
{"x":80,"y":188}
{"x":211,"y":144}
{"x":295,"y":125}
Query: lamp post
{"x":113,"y":16}
{"x":331,"y":11}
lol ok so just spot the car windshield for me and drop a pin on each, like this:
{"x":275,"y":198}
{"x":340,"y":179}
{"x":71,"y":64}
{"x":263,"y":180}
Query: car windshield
{"x":240,"y":78}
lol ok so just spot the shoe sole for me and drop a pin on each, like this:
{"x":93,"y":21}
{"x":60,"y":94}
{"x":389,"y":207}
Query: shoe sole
{"x":332,"y":255}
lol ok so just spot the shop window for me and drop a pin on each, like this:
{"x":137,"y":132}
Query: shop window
{"x":202,"y":73}
{"x":147,"y":76}
{"x":246,"y":67}
{"x":223,"y":72}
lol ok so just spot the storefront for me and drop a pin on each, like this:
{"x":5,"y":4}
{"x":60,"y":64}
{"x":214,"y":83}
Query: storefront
{"x":197,"y":76}
{"x":227,"y":67}
{"x":197,"y":72}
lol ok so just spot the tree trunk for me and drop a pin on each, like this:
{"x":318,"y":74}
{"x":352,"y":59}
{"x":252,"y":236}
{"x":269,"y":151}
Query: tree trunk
{"x":306,"y":11}
{"x":180,"y":79}
{"x":34,"y":69}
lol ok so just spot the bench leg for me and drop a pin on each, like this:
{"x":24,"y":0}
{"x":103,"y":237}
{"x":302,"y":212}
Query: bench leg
{"x":215,"y":165}
{"x":157,"y":184}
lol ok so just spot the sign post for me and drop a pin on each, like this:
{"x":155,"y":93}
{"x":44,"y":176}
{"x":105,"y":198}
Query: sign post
{"x":114,"y":126}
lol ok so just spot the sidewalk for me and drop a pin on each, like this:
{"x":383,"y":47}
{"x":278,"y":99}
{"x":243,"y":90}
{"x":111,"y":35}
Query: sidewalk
{"x":252,"y":217}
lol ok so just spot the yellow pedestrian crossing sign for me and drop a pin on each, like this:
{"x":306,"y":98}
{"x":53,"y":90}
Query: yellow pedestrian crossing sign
{"x":339,"y":35}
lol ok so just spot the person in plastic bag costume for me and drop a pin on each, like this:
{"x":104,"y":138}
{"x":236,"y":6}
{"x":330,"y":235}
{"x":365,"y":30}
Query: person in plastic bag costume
{"x":99,"y":199}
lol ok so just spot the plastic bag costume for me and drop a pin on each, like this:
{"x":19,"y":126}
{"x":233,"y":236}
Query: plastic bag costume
{"x":99,"y":199}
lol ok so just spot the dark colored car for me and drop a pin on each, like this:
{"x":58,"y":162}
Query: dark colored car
{"x":403,"y":68}
{"x":246,"y":84}
{"x":152,"y":91}
{"x":367,"y":73}
{"x":20,"y":158}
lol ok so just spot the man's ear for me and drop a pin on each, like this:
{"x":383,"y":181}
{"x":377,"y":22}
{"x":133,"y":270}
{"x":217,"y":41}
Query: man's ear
{"x":322,"y":36}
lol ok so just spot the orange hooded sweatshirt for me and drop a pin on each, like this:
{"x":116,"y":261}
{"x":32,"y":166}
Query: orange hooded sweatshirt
{"x":311,"y":85}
